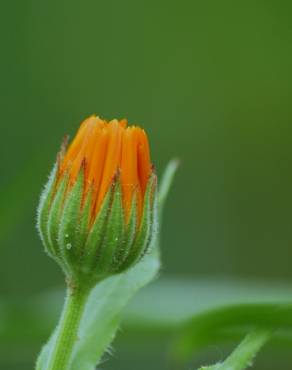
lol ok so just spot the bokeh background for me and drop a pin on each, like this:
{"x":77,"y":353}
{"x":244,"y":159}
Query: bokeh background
{"x":211,"y":82}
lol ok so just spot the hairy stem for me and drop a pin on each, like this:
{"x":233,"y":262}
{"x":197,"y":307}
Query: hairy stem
{"x":241,"y":358}
{"x":67,"y":329}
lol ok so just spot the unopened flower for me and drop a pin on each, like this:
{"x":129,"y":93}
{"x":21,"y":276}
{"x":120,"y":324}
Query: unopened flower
{"x":97,"y":213}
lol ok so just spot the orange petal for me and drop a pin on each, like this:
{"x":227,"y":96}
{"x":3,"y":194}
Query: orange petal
{"x":144,"y":162}
{"x":129,"y":170}
{"x":112,"y":159}
{"x":123,"y":123}
{"x":77,"y":143}
{"x":97,"y":166}
{"x":83,"y":151}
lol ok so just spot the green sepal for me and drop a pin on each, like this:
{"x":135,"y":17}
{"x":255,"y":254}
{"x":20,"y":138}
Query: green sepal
{"x":83,"y":225}
{"x":44,"y":209}
{"x":154,"y":216}
{"x":145,"y":233}
{"x":113,"y":233}
{"x":129,"y":236}
{"x":54,"y":217}
{"x":69,"y":223}
{"x":95,"y":236}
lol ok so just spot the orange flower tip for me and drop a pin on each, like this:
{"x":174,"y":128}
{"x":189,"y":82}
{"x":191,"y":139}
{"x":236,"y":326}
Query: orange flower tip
{"x":123,"y":122}
{"x":61,"y":153}
{"x":83,"y":165}
{"x":153,"y":172}
{"x":64,"y":144}
{"x":59,"y":162}
{"x":116,"y":177}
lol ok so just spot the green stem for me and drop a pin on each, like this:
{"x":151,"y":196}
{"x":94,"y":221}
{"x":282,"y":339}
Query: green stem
{"x":243,"y":355}
{"x":67,"y":329}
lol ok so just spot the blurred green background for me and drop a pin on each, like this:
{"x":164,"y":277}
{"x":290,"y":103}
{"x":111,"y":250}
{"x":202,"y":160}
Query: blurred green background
{"x":211,"y":82}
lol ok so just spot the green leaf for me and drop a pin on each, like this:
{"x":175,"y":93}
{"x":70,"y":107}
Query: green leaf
{"x":202,"y":312}
{"x":241,"y":358}
{"x":173,"y":302}
{"x":166,"y":182}
{"x":227,"y":323}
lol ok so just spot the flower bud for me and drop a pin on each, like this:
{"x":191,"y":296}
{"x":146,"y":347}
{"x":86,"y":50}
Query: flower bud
{"x":97,"y":213}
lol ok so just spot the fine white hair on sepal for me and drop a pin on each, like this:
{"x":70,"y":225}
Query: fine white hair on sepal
{"x":42,"y":201}
{"x":43,"y":196}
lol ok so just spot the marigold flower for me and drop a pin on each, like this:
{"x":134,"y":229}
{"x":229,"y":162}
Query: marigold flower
{"x":96,"y":215}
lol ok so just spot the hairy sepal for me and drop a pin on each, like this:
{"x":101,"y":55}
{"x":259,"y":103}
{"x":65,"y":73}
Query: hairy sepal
{"x":69,"y":224}
{"x":113,"y":233}
{"x":44,"y":209}
{"x":92,"y":245}
{"x":143,"y":238}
